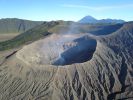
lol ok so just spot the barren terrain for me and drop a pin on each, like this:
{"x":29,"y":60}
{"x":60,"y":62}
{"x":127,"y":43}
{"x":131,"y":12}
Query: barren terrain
{"x":4,"y":37}
{"x":107,"y":75}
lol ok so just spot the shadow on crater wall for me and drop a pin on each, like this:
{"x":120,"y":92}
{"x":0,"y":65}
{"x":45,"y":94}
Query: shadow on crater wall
{"x":81,"y":52}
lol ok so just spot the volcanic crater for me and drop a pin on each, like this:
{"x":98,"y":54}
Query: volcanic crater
{"x":57,"y":49}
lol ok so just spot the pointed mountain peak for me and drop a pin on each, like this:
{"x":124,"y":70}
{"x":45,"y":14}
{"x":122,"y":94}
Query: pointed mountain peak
{"x":88,"y":19}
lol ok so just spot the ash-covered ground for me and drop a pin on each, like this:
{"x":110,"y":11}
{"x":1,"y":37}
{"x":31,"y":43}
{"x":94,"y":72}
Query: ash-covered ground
{"x":59,"y":50}
{"x":34,"y":73}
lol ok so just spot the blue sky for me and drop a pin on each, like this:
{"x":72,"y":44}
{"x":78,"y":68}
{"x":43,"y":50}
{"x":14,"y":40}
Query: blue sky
{"x":66,"y":9}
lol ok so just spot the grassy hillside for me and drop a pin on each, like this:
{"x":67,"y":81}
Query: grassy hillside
{"x":96,"y":29}
{"x":14,"y":25}
{"x":29,"y":36}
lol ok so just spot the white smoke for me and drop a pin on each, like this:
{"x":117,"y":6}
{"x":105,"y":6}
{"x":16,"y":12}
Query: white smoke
{"x":58,"y":49}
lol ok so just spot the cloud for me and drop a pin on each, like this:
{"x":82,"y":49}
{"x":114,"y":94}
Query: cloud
{"x":98,"y":8}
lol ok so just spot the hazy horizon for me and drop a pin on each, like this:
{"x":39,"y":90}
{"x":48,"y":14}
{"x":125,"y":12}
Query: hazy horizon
{"x":74,"y":10}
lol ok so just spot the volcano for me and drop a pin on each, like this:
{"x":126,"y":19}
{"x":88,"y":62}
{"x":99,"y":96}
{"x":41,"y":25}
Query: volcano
{"x":59,"y":50}
{"x":61,"y":66}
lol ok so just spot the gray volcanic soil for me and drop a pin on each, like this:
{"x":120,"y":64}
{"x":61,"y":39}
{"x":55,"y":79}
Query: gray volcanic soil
{"x":59,"y":50}
{"x":107,"y":75}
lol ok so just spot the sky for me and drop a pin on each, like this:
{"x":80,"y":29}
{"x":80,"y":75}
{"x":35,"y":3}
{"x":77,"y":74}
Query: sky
{"x":72,"y":10}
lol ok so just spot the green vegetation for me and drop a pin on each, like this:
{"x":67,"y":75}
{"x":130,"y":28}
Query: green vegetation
{"x":31,"y":35}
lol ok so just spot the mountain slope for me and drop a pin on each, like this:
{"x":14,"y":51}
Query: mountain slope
{"x":14,"y":25}
{"x":59,"y":27}
{"x":88,"y":19}
{"x":107,"y":76}
{"x":95,"y":29}
{"x":29,"y":36}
